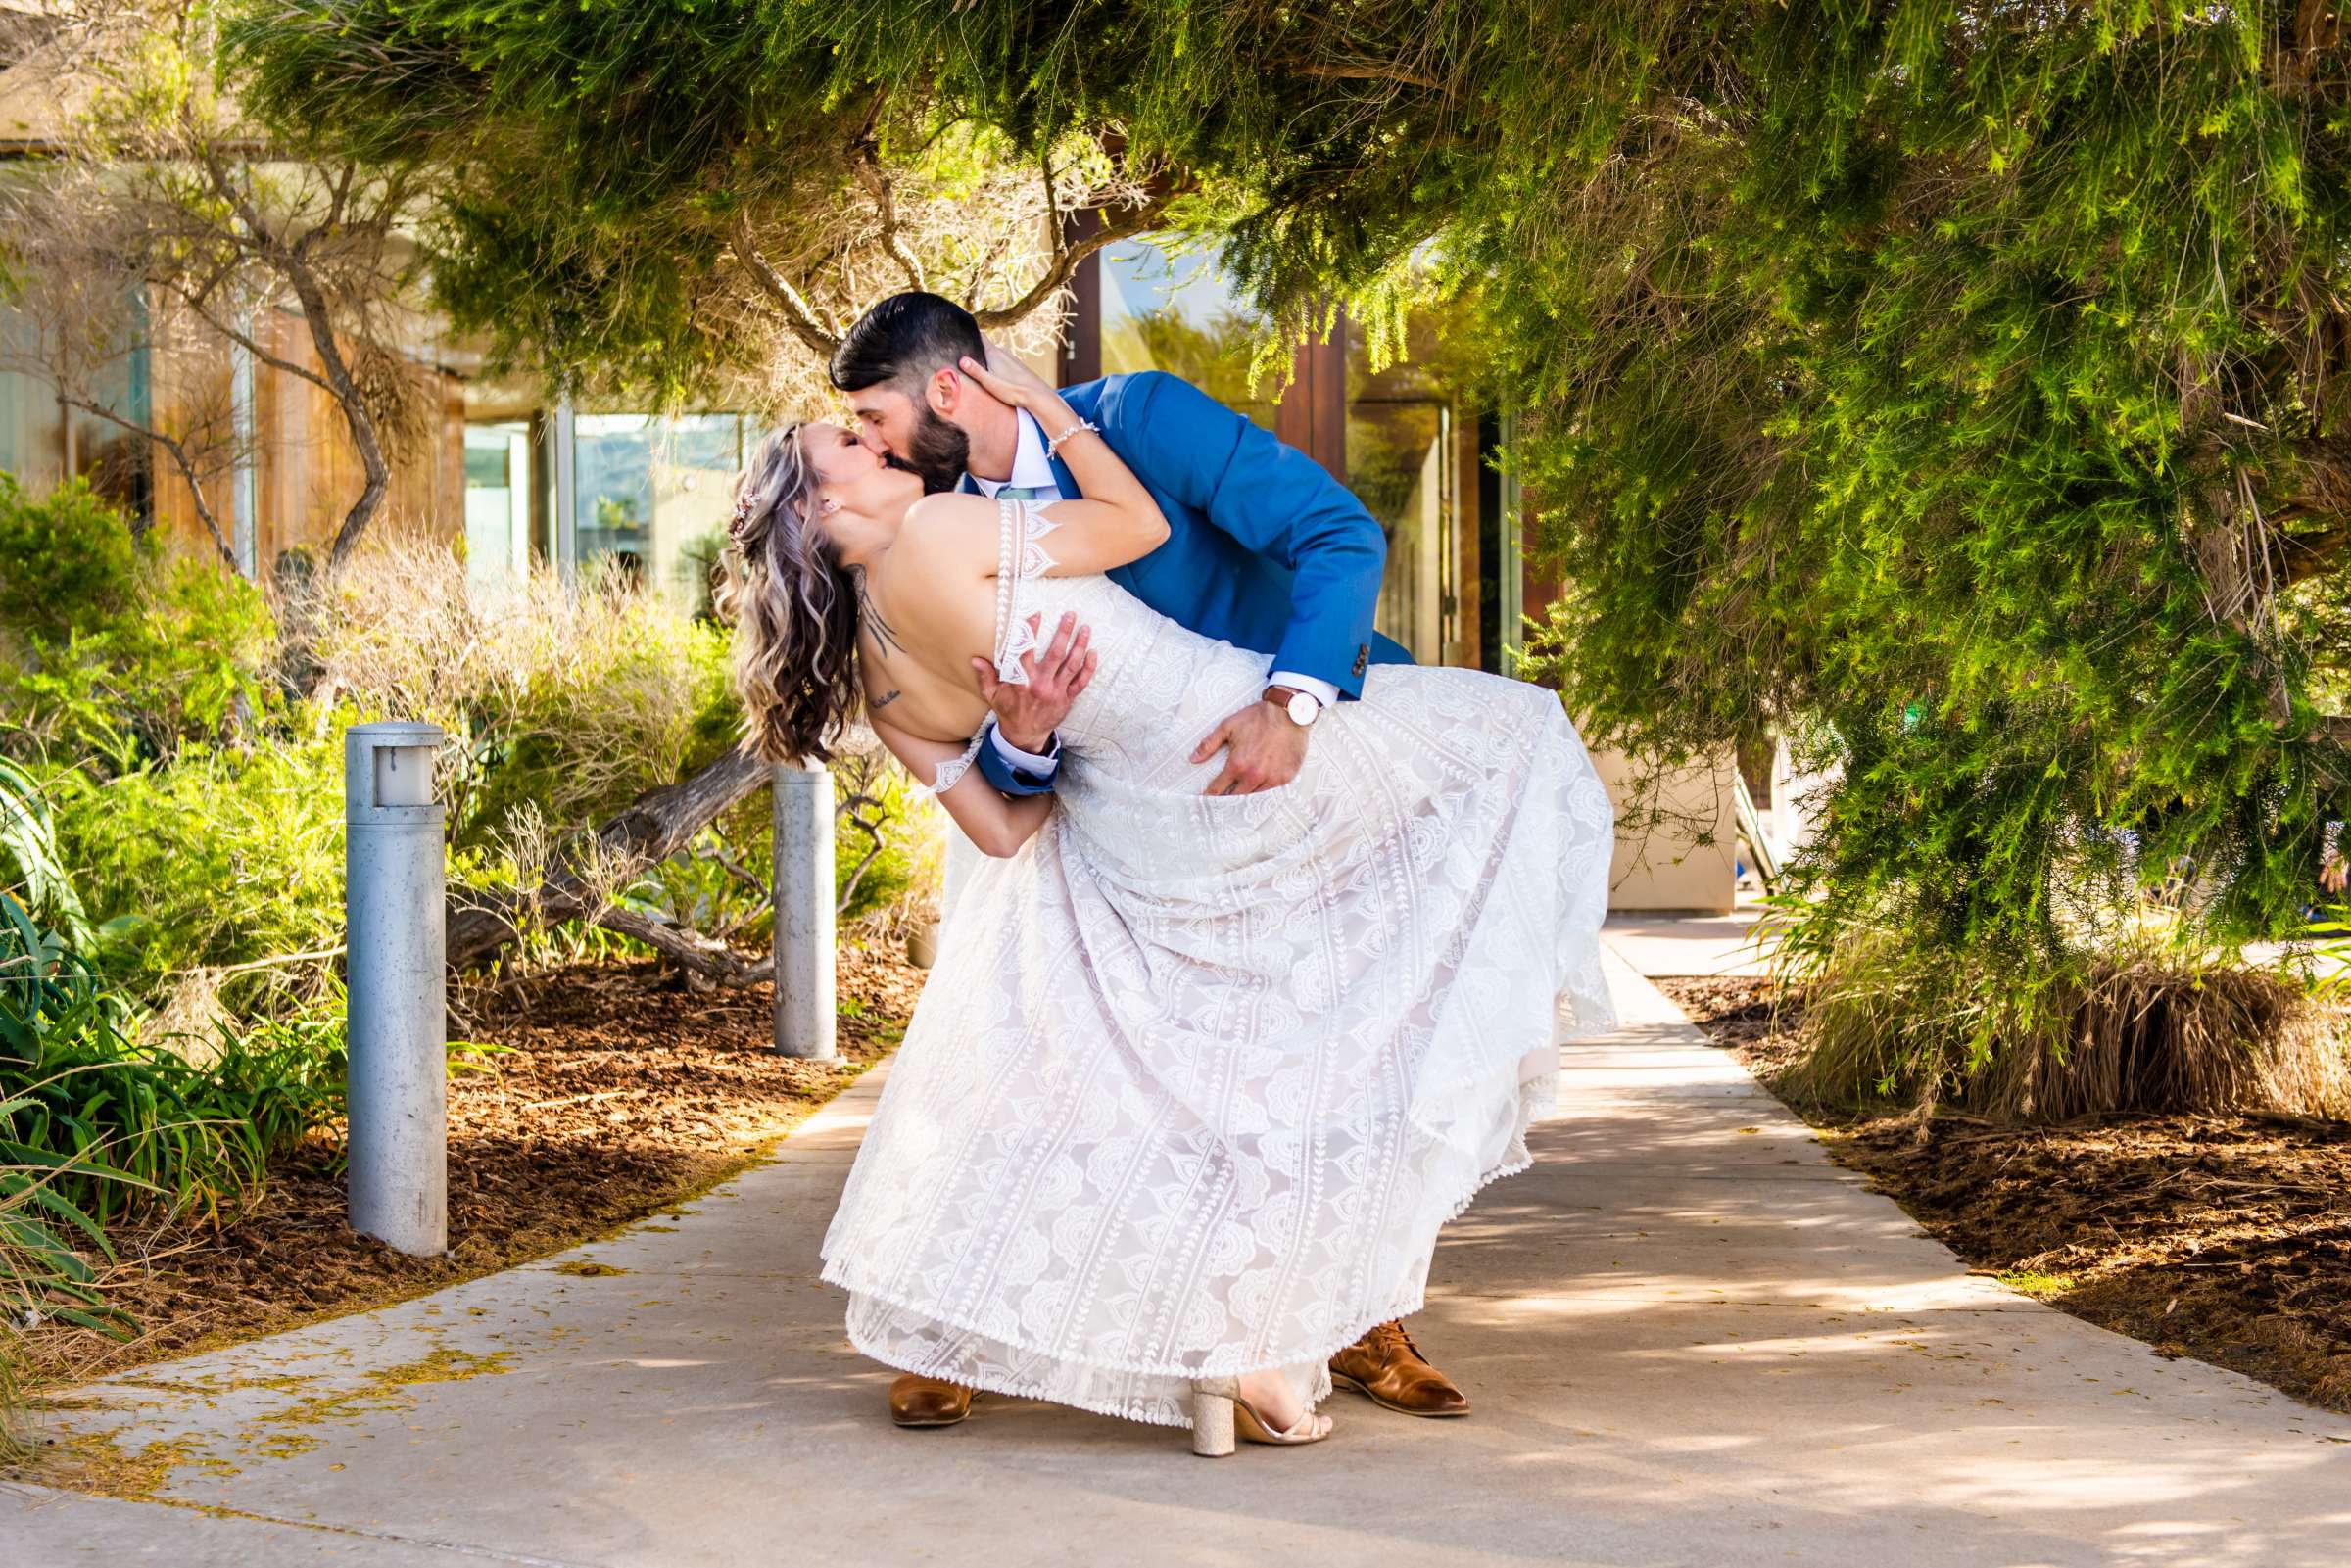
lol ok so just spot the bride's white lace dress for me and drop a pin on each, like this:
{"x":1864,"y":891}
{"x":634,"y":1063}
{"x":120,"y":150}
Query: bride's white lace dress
{"x":1196,"y":1080}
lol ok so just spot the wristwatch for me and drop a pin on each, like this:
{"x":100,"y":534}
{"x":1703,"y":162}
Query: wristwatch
{"x":1302,"y":706}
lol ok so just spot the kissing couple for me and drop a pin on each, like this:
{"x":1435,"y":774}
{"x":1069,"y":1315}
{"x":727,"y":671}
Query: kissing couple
{"x":1262,"y":968}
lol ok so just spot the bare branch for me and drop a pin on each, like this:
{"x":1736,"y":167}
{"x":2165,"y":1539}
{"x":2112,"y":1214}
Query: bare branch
{"x":1067,"y":256}
{"x":245,"y":339}
{"x":796,"y":313}
{"x":877,"y":185}
{"x":705,"y":957}
{"x":653,"y":828}
{"x":293,"y":263}
{"x":181,"y":460}
{"x":1367,"y":71}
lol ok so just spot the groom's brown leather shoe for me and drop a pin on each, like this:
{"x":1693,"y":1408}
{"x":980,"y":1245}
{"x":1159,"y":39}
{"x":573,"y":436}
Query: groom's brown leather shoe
{"x":1387,"y":1367}
{"x":919,"y":1400}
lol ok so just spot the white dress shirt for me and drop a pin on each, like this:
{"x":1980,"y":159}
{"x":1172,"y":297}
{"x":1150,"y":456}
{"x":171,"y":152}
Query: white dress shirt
{"x":1033,"y":469}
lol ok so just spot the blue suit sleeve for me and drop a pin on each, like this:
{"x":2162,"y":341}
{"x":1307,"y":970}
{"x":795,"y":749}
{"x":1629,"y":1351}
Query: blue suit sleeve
{"x":1000,"y":773}
{"x":1276,"y":501}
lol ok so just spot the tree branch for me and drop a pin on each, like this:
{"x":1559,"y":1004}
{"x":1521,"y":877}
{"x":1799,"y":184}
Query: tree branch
{"x":1364,"y":72}
{"x":655,"y":826}
{"x":179,"y":459}
{"x":1067,"y":256}
{"x":865,"y":160}
{"x":2314,"y":554}
{"x":293,"y":263}
{"x":703,"y":957}
{"x":796,"y":313}
{"x":245,"y":340}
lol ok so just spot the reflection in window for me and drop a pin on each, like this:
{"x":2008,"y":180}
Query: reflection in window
{"x":43,"y":442}
{"x":651,"y":496}
{"x":1400,"y":461}
{"x":498,"y":504}
{"x":1163,"y":310}
{"x":1175,"y":313}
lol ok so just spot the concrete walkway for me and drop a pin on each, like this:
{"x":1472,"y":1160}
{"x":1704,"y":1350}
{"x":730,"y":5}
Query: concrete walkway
{"x":1730,"y":944}
{"x":1689,"y":1338}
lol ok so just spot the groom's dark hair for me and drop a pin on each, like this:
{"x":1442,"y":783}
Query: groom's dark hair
{"x":907,"y":335}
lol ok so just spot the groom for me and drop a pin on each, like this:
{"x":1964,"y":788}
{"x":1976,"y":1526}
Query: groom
{"x":1265,"y":550}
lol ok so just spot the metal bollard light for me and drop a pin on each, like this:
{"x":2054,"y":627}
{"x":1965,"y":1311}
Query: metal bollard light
{"x":804,"y":1017}
{"x":396,"y":1026}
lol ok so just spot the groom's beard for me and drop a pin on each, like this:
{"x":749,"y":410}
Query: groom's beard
{"x":939,"y":451}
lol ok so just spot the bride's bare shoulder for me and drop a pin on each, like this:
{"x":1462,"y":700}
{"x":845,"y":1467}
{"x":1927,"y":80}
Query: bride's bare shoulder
{"x":950,"y":530}
{"x":953,"y":508}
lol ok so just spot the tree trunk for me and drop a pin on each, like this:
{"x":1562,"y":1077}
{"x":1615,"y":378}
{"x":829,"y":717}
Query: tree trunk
{"x":358,"y":418}
{"x":655,"y":826}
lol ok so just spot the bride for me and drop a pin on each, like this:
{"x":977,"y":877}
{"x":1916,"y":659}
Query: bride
{"x":1198,"y":1078}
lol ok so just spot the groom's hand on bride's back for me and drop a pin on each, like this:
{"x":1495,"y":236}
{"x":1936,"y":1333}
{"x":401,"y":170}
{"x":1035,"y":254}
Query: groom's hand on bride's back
{"x":1263,"y":750}
{"x":1027,"y":715}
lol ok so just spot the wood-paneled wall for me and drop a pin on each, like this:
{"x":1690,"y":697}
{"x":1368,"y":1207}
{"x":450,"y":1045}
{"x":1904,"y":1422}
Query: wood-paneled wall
{"x":306,"y":472}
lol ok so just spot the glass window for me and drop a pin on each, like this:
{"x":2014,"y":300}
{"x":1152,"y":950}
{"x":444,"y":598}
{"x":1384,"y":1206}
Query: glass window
{"x":654,"y":494}
{"x":498,"y":504}
{"x":1403,"y":449}
{"x":614,"y":480}
{"x":38,"y":434}
{"x":1400,"y":461}
{"x":1162,"y":311}
{"x":30,"y":446}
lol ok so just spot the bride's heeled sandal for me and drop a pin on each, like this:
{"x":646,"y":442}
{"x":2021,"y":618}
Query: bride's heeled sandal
{"x":1219,"y":1413}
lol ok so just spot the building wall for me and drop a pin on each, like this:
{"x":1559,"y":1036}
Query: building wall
{"x":1665,"y":866}
{"x":307,"y":474}
{"x":1662,"y":863}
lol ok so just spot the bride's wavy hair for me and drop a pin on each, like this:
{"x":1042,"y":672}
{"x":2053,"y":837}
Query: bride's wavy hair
{"x":795,"y":606}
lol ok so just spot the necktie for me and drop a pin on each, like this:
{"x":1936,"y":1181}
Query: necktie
{"x":1026,"y":492}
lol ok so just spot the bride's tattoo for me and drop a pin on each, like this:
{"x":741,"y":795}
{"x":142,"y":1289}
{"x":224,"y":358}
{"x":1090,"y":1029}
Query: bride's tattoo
{"x":882,"y":701}
{"x":873,"y":619}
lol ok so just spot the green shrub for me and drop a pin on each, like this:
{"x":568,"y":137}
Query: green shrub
{"x":125,"y":653}
{"x":886,"y":842}
{"x":219,"y":860}
{"x":73,"y":563}
{"x":2139,"y":1023}
{"x":29,"y":853}
{"x":887,"y":834}
{"x":571,"y":698}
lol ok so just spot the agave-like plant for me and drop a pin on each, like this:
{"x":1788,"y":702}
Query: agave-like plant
{"x":28,"y":848}
{"x":48,"y":993}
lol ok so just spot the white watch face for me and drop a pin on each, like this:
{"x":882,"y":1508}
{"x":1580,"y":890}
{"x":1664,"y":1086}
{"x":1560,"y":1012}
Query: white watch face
{"x":1304,"y":709}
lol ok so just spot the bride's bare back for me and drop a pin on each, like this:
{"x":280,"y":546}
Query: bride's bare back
{"x":926,"y":610}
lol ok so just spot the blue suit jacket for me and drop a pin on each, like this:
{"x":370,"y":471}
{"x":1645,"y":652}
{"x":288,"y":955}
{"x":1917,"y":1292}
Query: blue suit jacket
{"x":1265,"y":549}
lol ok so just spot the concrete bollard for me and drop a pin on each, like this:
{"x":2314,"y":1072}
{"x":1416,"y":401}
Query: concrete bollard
{"x":804,"y":1008}
{"x":397,"y":1027}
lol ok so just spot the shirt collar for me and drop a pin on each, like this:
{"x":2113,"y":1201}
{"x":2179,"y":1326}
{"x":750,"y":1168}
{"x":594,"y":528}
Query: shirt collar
{"x":1031,"y":468}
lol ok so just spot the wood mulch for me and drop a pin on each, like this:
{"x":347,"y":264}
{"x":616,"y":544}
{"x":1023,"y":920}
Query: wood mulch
{"x":616,"y":1093}
{"x":2225,"y":1238}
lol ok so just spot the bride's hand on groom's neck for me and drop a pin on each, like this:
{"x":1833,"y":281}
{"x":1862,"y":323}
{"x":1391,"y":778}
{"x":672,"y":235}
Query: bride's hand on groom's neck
{"x":1005,"y":378}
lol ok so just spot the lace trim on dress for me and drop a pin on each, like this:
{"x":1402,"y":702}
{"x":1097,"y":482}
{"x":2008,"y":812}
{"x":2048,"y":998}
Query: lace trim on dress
{"x":1036,"y":525}
{"x":1019,"y":559}
{"x":949,"y":774}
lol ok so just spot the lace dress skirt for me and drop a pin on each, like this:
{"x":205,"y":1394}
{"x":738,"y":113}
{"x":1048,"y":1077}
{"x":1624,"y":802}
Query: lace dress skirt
{"x":1196,"y":1082}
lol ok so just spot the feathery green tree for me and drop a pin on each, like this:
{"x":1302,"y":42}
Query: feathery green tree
{"x":1955,"y":386}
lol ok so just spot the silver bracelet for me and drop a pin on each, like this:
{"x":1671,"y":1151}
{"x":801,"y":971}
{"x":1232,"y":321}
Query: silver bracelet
{"x":1054,"y":445}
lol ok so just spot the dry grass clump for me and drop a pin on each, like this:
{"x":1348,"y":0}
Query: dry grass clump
{"x":607,"y":685}
{"x":2131,"y":1030}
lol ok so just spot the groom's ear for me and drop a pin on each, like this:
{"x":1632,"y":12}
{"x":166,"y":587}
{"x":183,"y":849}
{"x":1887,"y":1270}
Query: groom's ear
{"x":944,"y":392}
